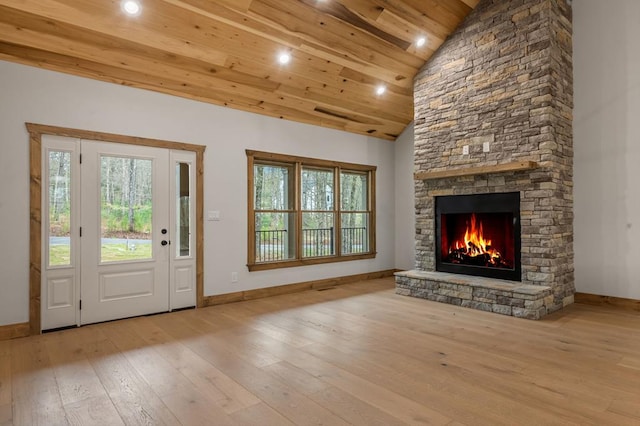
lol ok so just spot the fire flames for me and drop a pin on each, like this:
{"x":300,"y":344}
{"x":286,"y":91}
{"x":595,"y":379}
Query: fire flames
{"x":475,"y":248}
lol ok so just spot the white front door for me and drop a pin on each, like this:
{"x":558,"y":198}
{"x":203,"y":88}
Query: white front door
{"x":119,"y":231}
{"x":125,"y":231}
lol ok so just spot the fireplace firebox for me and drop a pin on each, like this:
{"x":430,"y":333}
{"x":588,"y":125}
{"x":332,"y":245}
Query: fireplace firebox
{"x":479,"y":235}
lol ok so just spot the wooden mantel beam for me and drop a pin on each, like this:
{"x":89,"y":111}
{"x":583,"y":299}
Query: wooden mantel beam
{"x":479,"y":170}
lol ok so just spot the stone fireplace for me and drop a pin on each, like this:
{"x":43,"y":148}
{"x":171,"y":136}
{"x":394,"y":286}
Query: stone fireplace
{"x":493,"y":115}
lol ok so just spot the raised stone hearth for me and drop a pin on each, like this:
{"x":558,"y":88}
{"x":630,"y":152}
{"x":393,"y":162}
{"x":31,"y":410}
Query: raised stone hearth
{"x":499,"y":94}
{"x":486,"y":294}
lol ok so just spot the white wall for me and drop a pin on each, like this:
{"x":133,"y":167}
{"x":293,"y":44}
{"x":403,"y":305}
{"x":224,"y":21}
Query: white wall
{"x":33,"y":95}
{"x":607,"y":147}
{"x":405,"y":200}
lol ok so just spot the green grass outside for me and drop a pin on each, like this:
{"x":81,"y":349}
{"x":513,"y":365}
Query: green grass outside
{"x":59,"y":255}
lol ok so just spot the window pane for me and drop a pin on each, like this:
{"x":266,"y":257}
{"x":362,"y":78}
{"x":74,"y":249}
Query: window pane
{"x":317,"y":234}
{"x":355,"y":233}
{"x":317,"y":189}
{"x":183,"y":213}
{"x":59,"y":208}
{"x":126,"y":209}
{"x":275,"y":237}
{"x":273,"y":187}
{"x":353,"y":191}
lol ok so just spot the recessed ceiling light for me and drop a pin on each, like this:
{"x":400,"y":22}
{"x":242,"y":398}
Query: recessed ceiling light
{"x":284,"y":58}
{"x":131,"y":7}
{"x":381,"y":89}
{"x":421,"y":41}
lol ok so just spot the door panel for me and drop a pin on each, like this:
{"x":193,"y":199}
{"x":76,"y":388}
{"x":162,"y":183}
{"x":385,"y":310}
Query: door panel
{"x":126,"y":284}
{"x":60,"y":292}
{"x":184,"y":279}
{"x":60,"y":289}
{"x":125,"y":207}
{"x":183,"y":224}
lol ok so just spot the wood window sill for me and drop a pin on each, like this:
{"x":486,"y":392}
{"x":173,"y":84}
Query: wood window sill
{"x":304,"y":262}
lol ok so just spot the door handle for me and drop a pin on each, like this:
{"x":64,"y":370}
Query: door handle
{"x":164,"y":242}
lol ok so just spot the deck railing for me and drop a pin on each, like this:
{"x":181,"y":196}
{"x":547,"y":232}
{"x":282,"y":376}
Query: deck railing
{"x":271,"y":245}
{"x":317,"y":242}
{"x":354,"y":240}
{"x":274,"y":245}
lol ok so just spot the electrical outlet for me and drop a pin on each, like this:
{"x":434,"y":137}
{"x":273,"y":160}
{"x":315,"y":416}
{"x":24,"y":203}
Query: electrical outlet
{"x":234,"y":277}
{"x":485,"y":147}
{"x":465,"y":150}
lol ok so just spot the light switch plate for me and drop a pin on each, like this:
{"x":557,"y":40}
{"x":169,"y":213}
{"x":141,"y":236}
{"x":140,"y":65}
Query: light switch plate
{"x":213,"y":215}
{"x":465,"y":150}
{"x":485,"y":147}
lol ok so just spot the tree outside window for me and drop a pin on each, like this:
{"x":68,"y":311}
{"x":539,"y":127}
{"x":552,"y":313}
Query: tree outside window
{"x":275,"y":219}
{"x":354,"y":212}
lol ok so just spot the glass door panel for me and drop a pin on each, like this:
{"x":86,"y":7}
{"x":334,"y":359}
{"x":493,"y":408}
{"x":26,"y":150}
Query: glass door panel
{"x":126,"y":209}
{"x":59,"y":208}
{"x":183,"y":210}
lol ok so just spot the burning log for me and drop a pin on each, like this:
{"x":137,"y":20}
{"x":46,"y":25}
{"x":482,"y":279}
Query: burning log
{"x":475,"y":250}
{"x":460,"y":257}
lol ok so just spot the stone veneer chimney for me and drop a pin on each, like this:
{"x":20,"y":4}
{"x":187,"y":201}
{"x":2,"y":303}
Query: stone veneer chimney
{"x":504,"y":77}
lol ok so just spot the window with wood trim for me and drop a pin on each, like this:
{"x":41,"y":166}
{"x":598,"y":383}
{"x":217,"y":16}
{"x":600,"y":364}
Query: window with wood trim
{"x":307,"y":211}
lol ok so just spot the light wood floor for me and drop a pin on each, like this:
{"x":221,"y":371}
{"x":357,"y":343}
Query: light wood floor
{"x":356,"y":354}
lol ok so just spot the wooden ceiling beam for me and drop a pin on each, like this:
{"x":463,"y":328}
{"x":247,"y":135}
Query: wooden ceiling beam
{"x":344,"y":14}
{"x":447,"y":12}
{"x":413,"y":16}
{"x":471,"y":3}
{"x":390,"y":22}
{"x":396,"y":25}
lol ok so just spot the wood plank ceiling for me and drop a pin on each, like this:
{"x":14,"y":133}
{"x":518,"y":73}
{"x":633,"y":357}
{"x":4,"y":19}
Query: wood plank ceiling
{"x":225,"y":52}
